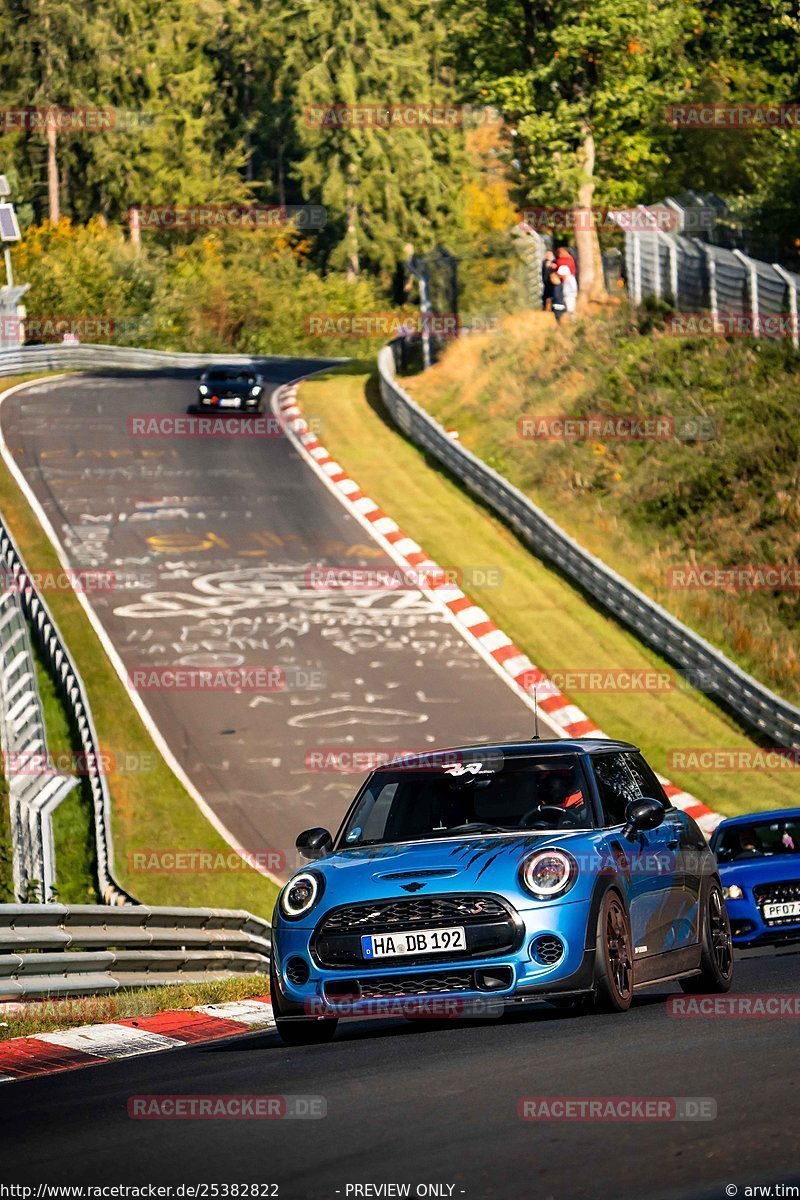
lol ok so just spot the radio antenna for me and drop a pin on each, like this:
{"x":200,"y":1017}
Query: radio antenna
{"x":536,"y":737}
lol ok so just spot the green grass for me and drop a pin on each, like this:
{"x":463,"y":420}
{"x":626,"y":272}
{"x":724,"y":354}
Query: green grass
{"x":73,"y":823}
{"x":6,"y":854}
{"x":44,"y":1016}
{"x":150,"y":808}
{"x":731,"y":499}
{"x":535,"y":606}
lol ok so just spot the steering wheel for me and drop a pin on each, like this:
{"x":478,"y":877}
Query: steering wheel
{"x":563,"y":817}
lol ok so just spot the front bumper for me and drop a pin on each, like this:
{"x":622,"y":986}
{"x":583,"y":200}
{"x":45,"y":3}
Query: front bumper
{"x":464,"y":981}
{"x":749,"y":928}
{"x":243,"y":404}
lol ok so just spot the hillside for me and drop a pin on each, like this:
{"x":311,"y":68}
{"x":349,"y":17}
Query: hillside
{"x":717,"y":488}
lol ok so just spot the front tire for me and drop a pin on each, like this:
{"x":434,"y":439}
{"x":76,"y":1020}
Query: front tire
{"x":613,"y":956}
{"x":293,"y":1028}
{"x":716,"y":956}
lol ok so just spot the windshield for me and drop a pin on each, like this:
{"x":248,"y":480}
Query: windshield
{"x":230,"y":376}
{"x":409,"y":804}
{"x":759,"y":840}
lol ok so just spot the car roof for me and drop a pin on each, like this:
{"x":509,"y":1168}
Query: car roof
{"x":775,"y":814}
{"x":541,"y":747}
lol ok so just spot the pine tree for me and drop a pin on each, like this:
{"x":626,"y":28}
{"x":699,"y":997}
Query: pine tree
{"x":384,"y":187}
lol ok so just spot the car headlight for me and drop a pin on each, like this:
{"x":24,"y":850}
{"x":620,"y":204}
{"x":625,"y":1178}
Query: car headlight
{"x":300,"y":895}
{"x":203,"y":390}
{"x":732,"y":892}
{"x":549,"y":873}
{"x":255,"y":390}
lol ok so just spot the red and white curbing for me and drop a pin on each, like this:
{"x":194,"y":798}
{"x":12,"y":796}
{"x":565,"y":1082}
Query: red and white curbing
{"x":89,"y":1045}
{"x":476,"y":624}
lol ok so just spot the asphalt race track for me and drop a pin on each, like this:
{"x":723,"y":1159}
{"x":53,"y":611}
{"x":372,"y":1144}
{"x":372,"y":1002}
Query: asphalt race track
{"x":412,"y":1105}
{"x":209,"y":541}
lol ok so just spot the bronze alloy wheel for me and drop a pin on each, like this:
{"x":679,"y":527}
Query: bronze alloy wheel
{"x":614,"y":958}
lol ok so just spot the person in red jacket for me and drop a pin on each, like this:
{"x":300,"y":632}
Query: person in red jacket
{"x":565,"y":259}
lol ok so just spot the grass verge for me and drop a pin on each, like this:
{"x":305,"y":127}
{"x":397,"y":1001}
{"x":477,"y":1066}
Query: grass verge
{"x":718,"y":486}
{"x":44,"y":1016}
{"x":150,"y":808}
{"x":535,"y":606}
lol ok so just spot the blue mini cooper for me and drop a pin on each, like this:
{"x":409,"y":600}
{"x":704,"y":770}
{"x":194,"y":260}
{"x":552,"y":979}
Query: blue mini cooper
{"x":545,"y":870}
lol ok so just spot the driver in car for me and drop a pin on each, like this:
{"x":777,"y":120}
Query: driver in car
{"x":561,"y":789}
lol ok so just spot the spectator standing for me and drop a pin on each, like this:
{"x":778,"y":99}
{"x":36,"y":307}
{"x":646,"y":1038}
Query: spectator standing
{"x":548,"y":267}
{"x":565,"y":259}
{"x":569,"y":289}
{"x":557,"y":285}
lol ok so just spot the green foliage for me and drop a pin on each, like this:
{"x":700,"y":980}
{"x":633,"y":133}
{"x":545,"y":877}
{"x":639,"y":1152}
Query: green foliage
{"x":251,"y":292}
{"x":6,"y":852}
{"x":725,"y":498}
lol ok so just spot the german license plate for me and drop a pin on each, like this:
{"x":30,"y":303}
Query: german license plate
{"x":229,"y":401}
{"x":426,"y":941}
{"x":790,"y":908}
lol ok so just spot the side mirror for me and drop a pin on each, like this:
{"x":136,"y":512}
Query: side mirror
{"x":641,"y":815}
{"x":314,"y":843}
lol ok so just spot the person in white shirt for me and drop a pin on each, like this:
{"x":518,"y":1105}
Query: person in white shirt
{"x":569,"y":285}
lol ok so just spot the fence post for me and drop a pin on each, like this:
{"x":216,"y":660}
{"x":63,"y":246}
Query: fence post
{"x":792,"y":288}
{"x":752,"y":289}
{"x":637,"y":268}
{"x":711,"y":272}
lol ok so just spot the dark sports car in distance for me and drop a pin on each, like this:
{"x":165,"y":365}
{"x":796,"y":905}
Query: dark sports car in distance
{"x":237,"y":389}
{"x":759,"y":865}
{"x":545,"y":870}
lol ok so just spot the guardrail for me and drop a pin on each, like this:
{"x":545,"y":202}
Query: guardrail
{"x":30,"y":359}
{"x":52,"y":949}
{"x":34,"y":789}
{"x":56,"y":654}
{"x":771,"y":717}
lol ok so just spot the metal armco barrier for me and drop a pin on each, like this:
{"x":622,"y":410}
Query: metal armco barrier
{"x":773,"y":719}
{"x":55,"y":652}
{"x":52,"y":949}
{"x":28,"y":360}
{"x":34,"y":789}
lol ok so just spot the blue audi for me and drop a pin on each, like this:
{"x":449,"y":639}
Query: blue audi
{"x":759,"y":865}
{"x":544,"y":870}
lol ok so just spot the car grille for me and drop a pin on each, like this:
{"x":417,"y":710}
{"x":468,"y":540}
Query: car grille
{"x":386,"y":915}
{"x":367,"y":988}
{"x":778,"y":893}
{"x":491,"y":927}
